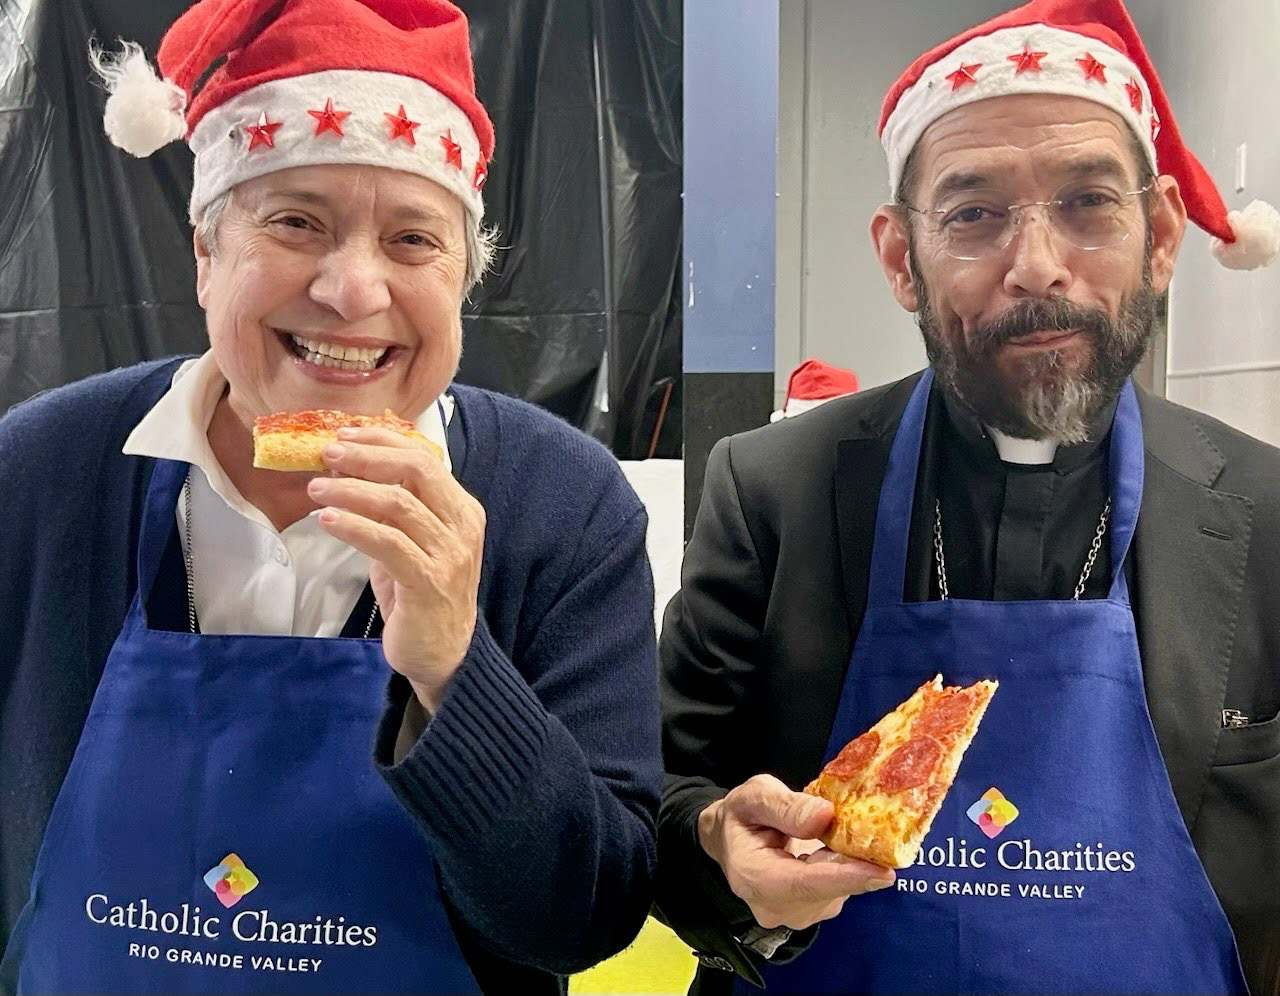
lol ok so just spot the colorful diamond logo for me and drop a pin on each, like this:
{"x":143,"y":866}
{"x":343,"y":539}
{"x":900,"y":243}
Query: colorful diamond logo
{"x":230,"y":880}
{"x":993,"y":812}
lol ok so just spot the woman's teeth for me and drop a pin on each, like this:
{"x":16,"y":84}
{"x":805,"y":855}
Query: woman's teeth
{"x":328,"y":354}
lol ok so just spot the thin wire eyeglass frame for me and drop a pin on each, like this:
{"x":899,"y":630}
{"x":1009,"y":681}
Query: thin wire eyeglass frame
{"x":1014,"y":223}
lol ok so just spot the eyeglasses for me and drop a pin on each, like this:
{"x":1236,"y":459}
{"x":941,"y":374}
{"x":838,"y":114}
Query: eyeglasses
{"x":972,"y":224}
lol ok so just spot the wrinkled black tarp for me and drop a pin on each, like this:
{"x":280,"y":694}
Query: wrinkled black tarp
{"x":582,"y":314}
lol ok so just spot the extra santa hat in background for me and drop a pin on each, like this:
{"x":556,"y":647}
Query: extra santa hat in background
{"x":377,"y":83}
{"x":814,"y":383}
{"x":1080,"y":48}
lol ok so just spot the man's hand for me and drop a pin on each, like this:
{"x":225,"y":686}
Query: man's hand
{"x":424,"y":534}
{"x":748,"y":832}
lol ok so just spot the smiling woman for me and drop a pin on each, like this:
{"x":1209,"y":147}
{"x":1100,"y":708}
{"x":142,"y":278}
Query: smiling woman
{"x":330,"y":286}
{"x":450,"y":576}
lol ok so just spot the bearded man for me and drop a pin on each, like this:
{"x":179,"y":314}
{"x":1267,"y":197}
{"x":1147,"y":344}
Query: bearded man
{"x":1017,"y":511}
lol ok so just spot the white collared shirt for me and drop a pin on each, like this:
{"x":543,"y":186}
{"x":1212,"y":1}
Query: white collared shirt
{"x":250,"y":578}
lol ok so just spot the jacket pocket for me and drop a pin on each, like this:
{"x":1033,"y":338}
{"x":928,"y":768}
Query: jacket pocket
{"x":1247,"y":744}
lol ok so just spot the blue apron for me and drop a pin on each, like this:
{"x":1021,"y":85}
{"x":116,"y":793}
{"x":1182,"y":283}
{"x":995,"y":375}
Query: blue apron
{"x":1059,"y":861}
{"x":222,"y":827}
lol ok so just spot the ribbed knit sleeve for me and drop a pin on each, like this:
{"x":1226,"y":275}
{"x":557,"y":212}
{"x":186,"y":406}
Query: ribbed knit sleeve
{"x":485,"y":741}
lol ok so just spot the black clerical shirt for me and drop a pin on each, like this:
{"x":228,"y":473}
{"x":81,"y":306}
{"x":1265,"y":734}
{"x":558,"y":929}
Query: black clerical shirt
{"x":1009,"y":531}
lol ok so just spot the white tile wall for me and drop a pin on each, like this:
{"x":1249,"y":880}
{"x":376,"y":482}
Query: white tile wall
{"x":1248,"y":401}
{"x":1186,"y":391}
{"x":1221,"y":78}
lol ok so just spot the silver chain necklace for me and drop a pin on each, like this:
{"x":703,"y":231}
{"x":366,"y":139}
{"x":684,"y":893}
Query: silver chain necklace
{"x":191,"y":574}
{"x":940,"y":559}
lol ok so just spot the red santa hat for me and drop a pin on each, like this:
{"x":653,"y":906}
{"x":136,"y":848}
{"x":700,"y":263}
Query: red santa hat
{"x":372,"y":82}
{"x":1079,"y":48}
{"x":813,"y":383}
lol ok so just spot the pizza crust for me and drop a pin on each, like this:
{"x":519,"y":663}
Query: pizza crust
{"x":887,"y":828}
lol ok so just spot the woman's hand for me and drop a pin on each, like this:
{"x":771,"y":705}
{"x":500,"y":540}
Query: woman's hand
{"x":424,"y":535}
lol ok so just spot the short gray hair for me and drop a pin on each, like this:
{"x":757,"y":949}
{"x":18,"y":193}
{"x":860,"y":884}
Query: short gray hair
{"x":482,"y":240}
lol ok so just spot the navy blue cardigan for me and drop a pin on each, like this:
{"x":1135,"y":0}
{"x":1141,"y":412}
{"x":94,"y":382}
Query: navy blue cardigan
{"x":537,"y":781}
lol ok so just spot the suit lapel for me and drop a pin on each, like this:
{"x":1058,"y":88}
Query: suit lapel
{"x":859,"y":471}
{"x":860,"y":465}
{"x":1191,"y":546}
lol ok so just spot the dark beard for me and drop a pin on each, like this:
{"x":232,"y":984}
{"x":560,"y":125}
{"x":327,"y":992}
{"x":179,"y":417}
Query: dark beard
{"x":1049,"y":401}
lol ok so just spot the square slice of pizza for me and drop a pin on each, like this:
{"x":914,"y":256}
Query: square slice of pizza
{"x":888,"y":784}
{"x":294,"y":440}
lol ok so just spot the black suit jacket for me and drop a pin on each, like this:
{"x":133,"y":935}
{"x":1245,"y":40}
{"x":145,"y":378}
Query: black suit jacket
{"x":774,"y":584}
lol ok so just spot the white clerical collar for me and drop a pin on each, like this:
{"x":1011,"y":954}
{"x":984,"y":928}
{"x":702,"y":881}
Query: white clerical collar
{"x":177,"y":427}
{"x":1031,"y":452}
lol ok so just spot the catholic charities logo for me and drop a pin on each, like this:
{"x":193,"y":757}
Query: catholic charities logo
{"x":191,"y":932}
{"x":231,"y":880}
{"x":993,"y":812}
{"x":984,"y":869}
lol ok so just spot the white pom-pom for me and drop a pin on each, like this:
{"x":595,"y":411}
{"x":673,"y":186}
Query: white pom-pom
{"x":1257,"y":232}
{"x":144,"y":112}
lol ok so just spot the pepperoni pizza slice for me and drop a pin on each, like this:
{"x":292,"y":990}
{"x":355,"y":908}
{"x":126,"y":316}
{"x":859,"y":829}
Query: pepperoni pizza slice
{"x":888,"y":784}
{"x":293,"y":440}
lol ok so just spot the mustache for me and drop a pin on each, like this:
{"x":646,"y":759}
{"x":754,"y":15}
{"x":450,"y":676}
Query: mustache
{"x":1041,"y":315}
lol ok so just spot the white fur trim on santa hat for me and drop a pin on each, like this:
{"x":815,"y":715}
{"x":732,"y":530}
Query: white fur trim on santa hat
{"x":798,"y":406}
{"x":221,"y":140}
{"x":933,"y":95}
{"x":1257,"y":232}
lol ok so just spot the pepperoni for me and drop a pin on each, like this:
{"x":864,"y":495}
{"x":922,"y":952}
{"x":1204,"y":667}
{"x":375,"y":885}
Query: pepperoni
{"x":854,"y":756}
{"x":910,"y":765}
{"x":947,"y":713}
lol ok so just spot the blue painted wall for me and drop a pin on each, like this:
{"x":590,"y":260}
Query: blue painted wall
{"x":730,"y":140}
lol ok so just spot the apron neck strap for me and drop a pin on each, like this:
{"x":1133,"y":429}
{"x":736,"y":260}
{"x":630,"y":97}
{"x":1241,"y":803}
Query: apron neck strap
{"x":897,"y":496}
{"x":897,"y":493}
{"x":1125,"y":478}
{"x":158,"y":518}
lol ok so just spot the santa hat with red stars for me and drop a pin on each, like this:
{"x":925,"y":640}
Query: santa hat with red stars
{"x":371,"y":82}
{"x":1079,"y":48}
{"x":814,"y":383}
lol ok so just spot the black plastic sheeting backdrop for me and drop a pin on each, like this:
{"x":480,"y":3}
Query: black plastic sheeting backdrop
{"x":582,"y":312}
